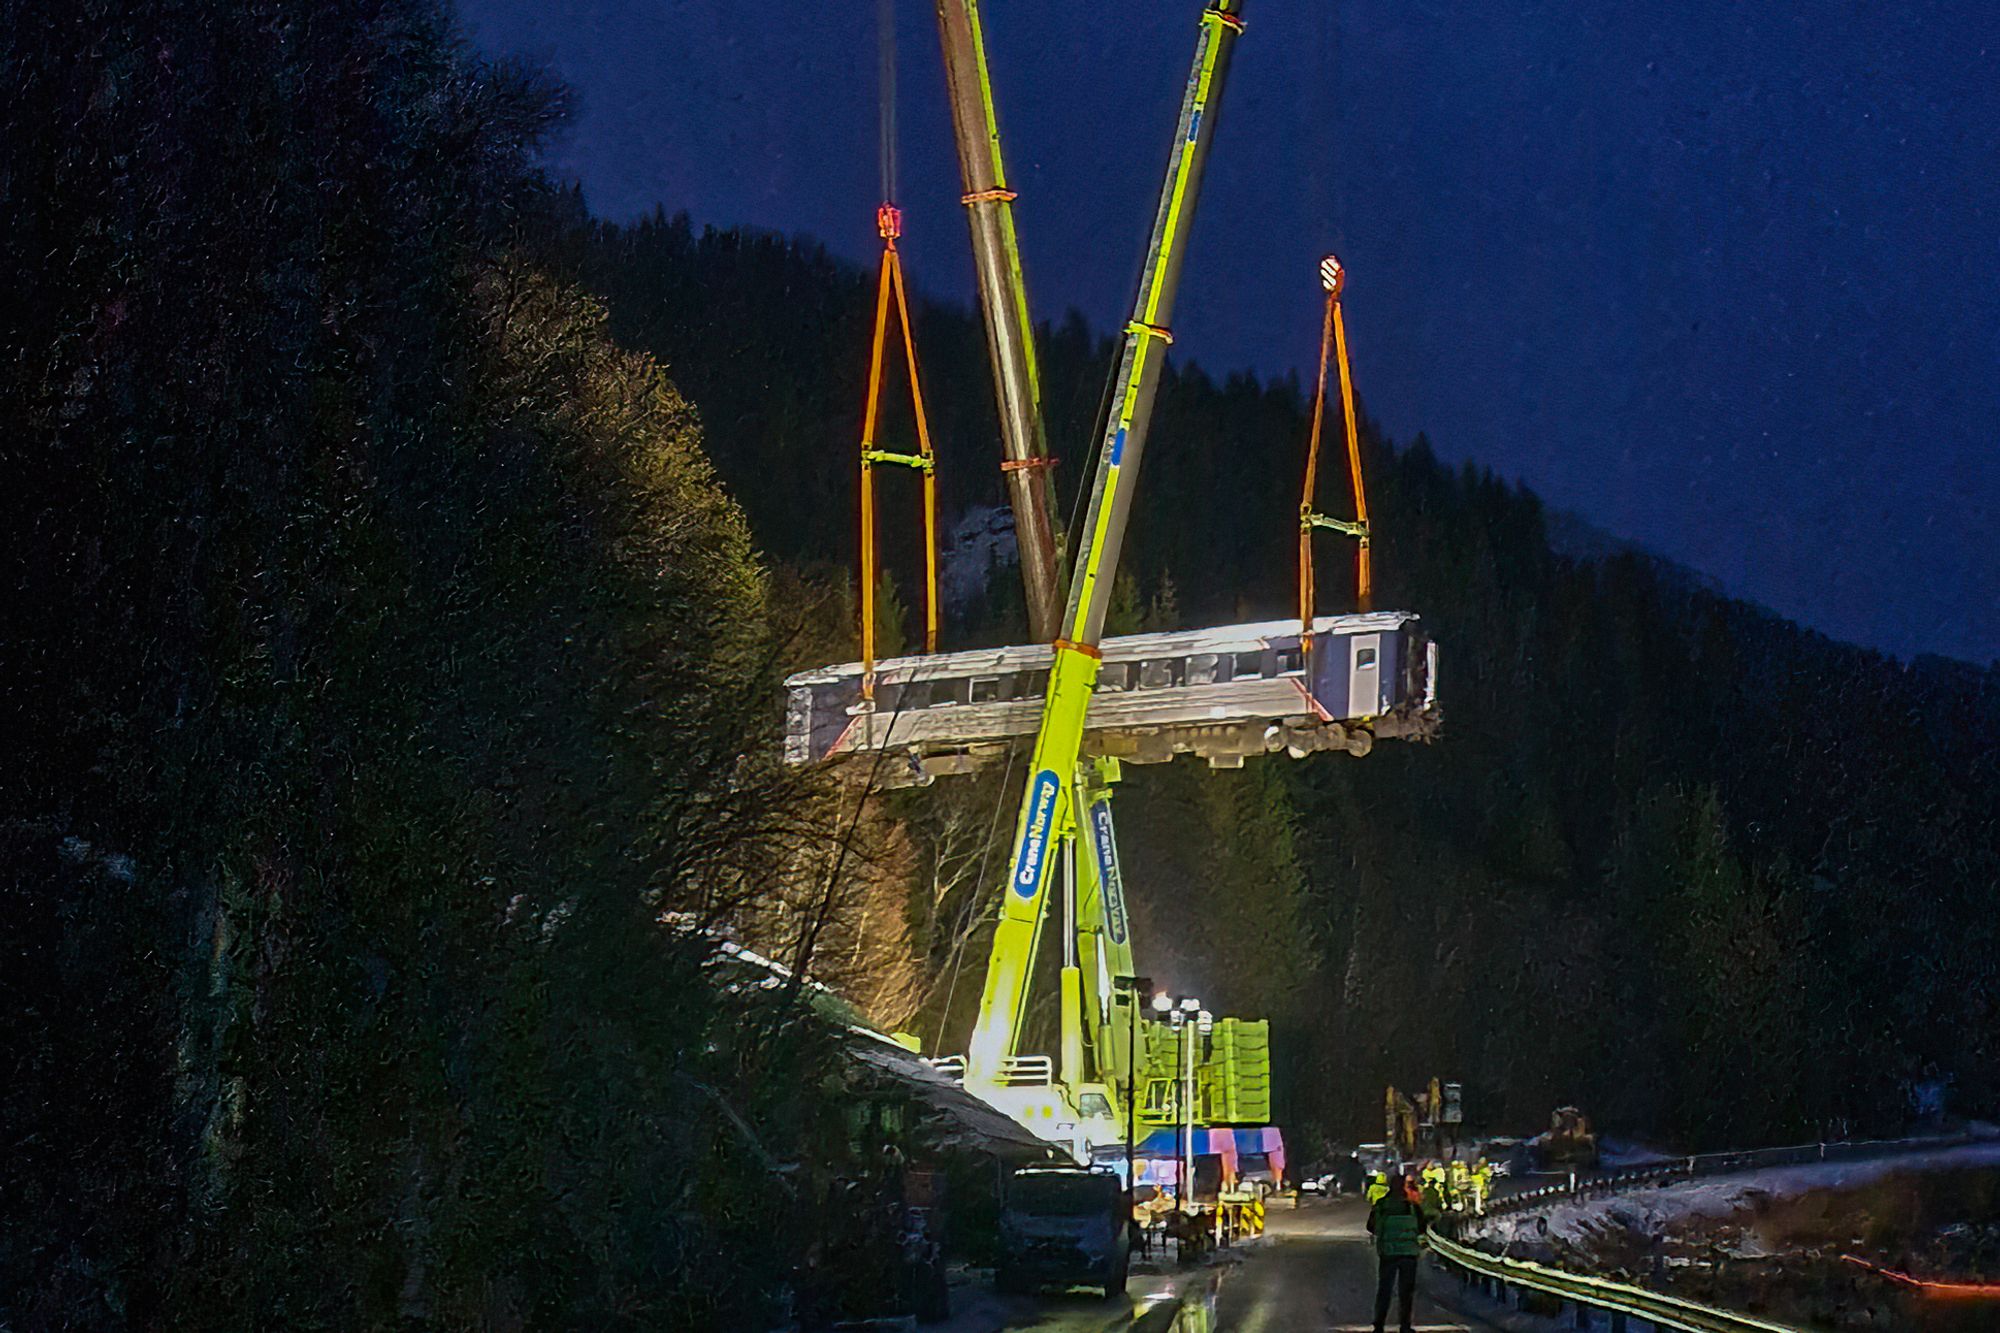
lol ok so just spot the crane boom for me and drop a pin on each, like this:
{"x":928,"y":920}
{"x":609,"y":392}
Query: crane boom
{"x":1003,"y":297}
{"x":1102,"y":946}
{"x":1047,"y":803}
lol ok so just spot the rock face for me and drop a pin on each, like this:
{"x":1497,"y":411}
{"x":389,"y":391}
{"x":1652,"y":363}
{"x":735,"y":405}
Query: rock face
{"x":981,"y":542}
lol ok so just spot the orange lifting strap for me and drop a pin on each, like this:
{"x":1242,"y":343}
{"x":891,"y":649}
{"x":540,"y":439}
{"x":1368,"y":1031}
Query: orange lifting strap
{"x":889,"y":221}
{"x":1332,"y":343}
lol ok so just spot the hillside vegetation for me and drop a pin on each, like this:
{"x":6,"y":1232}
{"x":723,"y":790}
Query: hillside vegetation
{"x":382,"y":659}
{"x":1710,"y":874}
{"x":401,"y":572}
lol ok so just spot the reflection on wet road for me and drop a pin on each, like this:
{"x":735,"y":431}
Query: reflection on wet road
{"x":1314,"y":1272}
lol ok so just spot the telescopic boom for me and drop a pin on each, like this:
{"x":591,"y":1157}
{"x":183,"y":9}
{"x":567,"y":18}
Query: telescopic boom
{"x":1045,"y":807}
{"x":1003,"y":296}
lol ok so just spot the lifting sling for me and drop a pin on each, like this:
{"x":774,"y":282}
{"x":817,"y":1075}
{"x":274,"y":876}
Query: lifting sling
{"x":889,"y":220}
{"x":1332,"y":345}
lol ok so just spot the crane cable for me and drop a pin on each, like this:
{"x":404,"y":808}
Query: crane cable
{"x":889,"y":223}
{"x":1332,"y":346}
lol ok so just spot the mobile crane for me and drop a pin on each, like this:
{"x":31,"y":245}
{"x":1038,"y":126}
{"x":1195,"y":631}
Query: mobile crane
{"x":1064,"y":795}
{"x":1104,"y":1041}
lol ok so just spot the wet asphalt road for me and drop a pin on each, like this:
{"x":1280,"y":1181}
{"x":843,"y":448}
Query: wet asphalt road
{"x":1313,"y":1273}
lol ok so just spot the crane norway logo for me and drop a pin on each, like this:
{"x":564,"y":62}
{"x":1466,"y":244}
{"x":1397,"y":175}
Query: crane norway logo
{"x":1041,"y":810}
{"x":1118,"y":447}
{"x":1107,"y":870}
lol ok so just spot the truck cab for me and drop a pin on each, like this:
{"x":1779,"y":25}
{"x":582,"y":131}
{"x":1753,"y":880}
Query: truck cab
{"x":1064,"y":1226}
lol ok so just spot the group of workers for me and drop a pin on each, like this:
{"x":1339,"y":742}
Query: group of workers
{"x":1401,"y":1207}
{"x":1456,"y":1186}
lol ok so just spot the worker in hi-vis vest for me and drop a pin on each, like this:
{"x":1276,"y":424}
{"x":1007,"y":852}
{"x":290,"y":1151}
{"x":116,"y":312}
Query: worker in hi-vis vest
{"x":1432,"y":1187}
{"x":1459,"y":1192}
{"x":1397,"y":1223}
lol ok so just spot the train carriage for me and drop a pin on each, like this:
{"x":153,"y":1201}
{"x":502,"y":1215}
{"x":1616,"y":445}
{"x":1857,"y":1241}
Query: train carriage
{"x":1222,"y":693}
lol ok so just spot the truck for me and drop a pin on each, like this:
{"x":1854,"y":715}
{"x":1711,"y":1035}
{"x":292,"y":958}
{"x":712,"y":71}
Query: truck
{"x":1064,"y":1226}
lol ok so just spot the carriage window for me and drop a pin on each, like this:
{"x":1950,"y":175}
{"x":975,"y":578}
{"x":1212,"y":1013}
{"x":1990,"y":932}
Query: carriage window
{"x":1034,"y":685}
{"x":1249,"y":666}
{"x":1290,"y":663}
{"x":1201,"y":669}
{"x":945,"y":693}
{"x":1364,"y":658}
{"x":1112,"y":678}
{"x":916,"y":694}
{"x":986,"y":689}
{"x":1159,"y":674}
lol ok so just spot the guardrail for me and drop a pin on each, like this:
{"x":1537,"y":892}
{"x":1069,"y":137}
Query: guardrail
{"x":1587,"y":1297}
{"x":1618,"y":1302}
{"x":1669,"y":1170}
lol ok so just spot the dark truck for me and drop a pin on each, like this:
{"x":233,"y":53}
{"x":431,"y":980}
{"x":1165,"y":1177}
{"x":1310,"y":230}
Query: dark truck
{"x":1064,"y":1226}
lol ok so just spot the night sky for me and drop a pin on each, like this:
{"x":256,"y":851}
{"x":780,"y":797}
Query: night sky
{"x":1717,"y":277}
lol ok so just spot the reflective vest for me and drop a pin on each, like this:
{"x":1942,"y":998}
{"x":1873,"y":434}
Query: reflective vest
{"x":1398,"y":1226}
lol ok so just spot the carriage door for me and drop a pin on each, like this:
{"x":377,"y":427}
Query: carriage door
{"x":1364,"y":675}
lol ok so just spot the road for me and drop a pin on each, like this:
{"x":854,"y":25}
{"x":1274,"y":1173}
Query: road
{"x":1313,"y":1273}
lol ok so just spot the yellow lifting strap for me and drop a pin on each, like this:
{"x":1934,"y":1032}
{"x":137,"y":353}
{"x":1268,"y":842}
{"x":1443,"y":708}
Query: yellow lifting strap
{"x":889,"y":221}
{"x":1332,"y":346}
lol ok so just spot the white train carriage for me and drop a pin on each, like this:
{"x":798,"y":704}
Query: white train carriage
{"x":1220,"y":693}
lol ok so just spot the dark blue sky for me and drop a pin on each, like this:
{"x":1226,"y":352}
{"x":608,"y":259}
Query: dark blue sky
{"x":1719,"y":277}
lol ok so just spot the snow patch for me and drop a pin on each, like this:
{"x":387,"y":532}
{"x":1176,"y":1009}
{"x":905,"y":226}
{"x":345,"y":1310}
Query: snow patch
{"x":1579,"y":1222}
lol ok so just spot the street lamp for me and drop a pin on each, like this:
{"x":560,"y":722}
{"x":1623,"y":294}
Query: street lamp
{"x":1204,"y":1024}
{"x":1175,"y":1019}
{"x":1185,"y":1018}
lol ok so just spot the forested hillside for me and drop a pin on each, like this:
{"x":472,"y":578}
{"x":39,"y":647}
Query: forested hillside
{"x":381,"y":660}
{"x":1710,"y":874}
{"x":401,"y":570}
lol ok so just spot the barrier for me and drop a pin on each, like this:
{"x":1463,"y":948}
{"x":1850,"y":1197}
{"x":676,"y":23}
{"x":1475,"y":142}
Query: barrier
{"x":1719,"y":1163}
{"x":1588,"y":1296}
{"x":1621,"y":1303}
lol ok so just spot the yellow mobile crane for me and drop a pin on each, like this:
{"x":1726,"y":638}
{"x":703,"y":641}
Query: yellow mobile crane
{"x":1337,"y":682}
{"x":1061,"y":795}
